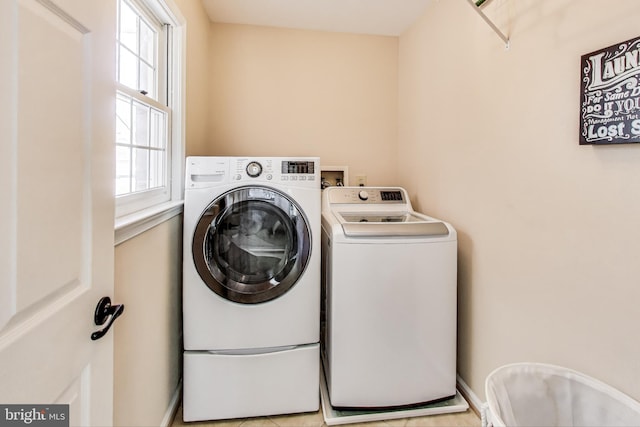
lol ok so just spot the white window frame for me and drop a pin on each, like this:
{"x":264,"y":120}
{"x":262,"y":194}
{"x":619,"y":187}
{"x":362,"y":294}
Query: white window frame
{"x":139,"y":212}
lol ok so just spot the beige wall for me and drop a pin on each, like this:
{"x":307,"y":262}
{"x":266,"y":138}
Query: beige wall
{"x":197,"y":76}
{"x":292,"y":93}
{"x":148,"y":336}
{"x":548,"y":230}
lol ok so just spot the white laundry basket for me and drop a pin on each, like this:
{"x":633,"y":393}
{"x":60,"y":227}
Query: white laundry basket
{"x":534,"y":394}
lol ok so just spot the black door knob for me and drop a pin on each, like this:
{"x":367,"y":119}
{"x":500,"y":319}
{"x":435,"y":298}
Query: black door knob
{"x":105,"y":312}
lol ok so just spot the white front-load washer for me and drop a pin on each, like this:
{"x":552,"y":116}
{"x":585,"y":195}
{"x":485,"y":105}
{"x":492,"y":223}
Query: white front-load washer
{"x":389,"y":300}
{"x":251,"y":286}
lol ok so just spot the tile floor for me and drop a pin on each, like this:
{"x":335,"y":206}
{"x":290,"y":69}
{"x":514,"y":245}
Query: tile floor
{"x":460,"y":419}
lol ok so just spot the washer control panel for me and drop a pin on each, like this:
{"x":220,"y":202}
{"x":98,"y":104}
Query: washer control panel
{"x":366,"y":195}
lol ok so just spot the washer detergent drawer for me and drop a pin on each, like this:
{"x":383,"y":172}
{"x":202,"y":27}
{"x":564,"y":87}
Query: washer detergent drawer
{"x":221,"y":386}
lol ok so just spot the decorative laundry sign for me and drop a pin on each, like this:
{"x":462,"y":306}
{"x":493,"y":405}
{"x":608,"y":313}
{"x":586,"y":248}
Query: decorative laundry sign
{"x":610,"y":95}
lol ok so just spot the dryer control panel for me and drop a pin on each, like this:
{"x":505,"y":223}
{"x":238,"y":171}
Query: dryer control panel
{"x":296,"y":167}
{"x":292,"y":171}
{"x":274,"y":169}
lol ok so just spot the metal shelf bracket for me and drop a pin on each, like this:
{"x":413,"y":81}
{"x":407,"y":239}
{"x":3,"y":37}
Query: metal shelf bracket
{"x":476,"y":6}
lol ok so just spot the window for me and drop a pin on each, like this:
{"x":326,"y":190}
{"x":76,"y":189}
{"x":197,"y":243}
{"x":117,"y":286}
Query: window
{"x":148,"y":142}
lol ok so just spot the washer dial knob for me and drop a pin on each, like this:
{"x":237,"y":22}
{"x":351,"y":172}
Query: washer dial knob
{"x":254,"y":169}
{"x":363,"y":195}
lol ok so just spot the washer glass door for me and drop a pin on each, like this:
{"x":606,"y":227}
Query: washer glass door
{"x":251,"y":244}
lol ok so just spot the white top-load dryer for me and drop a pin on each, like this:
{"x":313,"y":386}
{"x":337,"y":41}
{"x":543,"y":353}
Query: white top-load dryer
{"x":389,"y":300}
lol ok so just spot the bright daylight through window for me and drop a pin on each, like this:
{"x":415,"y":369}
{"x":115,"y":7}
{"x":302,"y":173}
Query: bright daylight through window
{"x":143,"y":113}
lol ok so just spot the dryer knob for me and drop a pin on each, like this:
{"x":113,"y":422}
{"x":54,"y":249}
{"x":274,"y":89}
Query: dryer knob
{"x":254,"y":169}
{"x":363,"y":195}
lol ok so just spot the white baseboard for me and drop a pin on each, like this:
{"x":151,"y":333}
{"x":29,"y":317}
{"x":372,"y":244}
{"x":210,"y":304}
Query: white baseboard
{"x":472,"y":398}
{"x":174,"y":404}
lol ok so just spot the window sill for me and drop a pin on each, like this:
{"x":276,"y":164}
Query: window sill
{"x":129,"y":226}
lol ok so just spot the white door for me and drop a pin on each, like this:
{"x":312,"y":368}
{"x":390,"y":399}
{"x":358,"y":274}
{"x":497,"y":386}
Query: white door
{"x":56,"y":203}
